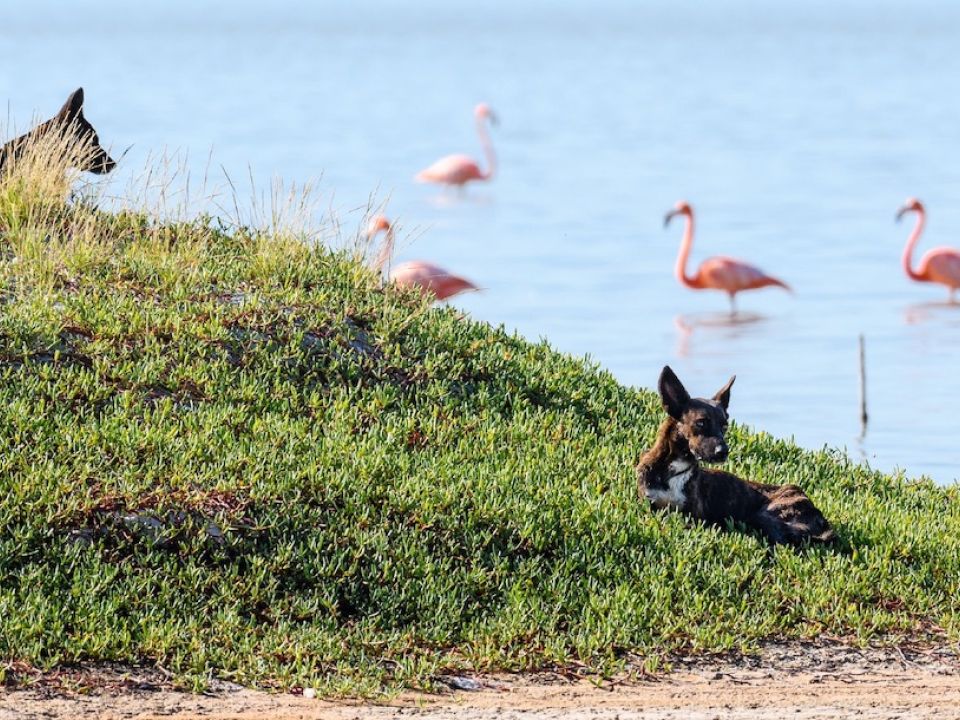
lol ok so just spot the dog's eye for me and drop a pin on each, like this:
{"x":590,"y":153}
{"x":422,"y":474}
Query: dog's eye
{"x":702,"y":424}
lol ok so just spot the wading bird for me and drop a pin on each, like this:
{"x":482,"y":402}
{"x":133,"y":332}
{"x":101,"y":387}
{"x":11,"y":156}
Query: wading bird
{"x":461,"y":169}
{"x":430,"y":279}
{"x":940,"y":265}
{"x":716,"y":273}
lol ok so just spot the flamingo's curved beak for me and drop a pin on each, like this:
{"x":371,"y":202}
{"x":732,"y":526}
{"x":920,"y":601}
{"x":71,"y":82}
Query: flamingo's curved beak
{"x":670,"y":216}
{"x":902,"y":211}
{"x":494,"y":120}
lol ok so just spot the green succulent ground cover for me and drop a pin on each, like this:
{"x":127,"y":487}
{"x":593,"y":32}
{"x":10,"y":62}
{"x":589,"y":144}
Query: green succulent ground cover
{"x":232,"y":454}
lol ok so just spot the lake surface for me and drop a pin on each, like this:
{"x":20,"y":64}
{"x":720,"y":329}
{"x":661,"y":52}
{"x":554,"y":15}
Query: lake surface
{"x":796,"y":132}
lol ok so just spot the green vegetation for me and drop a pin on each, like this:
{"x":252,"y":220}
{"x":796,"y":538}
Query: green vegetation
{"x":231,"y":453}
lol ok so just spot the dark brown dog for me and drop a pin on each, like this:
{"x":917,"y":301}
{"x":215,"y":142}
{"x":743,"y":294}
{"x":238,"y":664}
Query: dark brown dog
{"x":70,"y":123}
{"x":670,"y":475}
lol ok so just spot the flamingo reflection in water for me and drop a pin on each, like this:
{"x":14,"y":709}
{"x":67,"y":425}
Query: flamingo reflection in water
{"x":730,"y":326}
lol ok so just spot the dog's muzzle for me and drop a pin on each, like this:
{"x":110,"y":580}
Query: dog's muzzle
{"x":712,"y":451}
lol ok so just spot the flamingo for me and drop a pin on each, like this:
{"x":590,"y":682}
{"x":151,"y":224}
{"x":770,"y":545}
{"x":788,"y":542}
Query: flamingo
{"x":717,"y":273}
{"x":432,"y":280}
{"x":941,"y":265}
{"x":460,"y":169}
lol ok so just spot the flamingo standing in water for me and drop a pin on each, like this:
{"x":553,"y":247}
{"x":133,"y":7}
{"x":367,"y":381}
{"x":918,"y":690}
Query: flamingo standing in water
{"x":717,"y":273}
{"x":461,"y":169}
{"x":941,"y":265}
{"x":430,"y":279}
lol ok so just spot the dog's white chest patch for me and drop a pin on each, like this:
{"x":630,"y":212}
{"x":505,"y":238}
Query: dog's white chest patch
{"x":674,"y":495}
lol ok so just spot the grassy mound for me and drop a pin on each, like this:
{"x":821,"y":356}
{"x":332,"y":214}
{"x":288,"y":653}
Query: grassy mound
{"x":229,"y":453}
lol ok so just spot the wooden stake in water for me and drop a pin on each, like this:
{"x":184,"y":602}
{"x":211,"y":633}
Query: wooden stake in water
{"x":863,"y":387}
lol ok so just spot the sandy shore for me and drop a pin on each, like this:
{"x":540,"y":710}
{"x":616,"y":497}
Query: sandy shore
{"x":802,"y":681}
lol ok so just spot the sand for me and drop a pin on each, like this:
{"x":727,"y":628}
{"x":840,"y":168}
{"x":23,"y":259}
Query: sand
{"x":792,"y":680}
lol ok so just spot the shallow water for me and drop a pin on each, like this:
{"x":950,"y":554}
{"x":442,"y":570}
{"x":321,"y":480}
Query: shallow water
{"x":796,"y":132}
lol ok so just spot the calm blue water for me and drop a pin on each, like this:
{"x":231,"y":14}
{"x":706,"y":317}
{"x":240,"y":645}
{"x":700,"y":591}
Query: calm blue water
{"x":796,"y":132}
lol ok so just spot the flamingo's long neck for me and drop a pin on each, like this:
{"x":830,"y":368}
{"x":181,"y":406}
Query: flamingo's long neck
{"x":386,"y":252}
{"x":487,"y":149}
{"x":911,"y":243}
{"x":685,"y":246}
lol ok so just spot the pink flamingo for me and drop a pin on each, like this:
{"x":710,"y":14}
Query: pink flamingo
{"x":460,"y":169}
{"x":717,"y":273}
{"x":941,"y":265}
{"x":430,"y":279}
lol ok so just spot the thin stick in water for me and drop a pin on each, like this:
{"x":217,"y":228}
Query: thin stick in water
{"x":863,"y":387}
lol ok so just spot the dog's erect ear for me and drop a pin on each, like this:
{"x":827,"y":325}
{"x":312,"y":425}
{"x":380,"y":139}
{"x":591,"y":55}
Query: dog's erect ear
{"x":674,"y":395}
{"x":73,"y":106}
{"x":723,"y":394}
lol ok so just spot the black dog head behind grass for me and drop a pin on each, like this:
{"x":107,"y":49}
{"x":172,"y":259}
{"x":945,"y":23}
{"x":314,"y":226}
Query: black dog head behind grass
{"x":68,"y":134}
{"x":700,"y":422}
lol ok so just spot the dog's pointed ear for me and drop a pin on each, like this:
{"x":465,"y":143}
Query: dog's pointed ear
{"x":673,"y":394}
{"x":723,"y":394}
{"x":73,"y":106}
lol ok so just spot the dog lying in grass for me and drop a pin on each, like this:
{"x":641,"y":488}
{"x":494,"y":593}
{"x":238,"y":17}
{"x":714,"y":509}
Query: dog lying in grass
{"x":669,"y":474}
{"x":67,"y":134}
